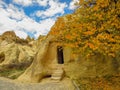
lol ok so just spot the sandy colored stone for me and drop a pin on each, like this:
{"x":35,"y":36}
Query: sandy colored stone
{"x":15,"y":50}
{"x":76,"y":67}
{"x":44,"y":85}
{"x":41,"y":65}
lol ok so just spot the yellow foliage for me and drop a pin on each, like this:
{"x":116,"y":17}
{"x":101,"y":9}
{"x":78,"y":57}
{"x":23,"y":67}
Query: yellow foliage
{"x":95,"y":21}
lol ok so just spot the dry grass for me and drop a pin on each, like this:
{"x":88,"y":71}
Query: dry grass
{"x":13,"y":71}
{"x":103,"y":83}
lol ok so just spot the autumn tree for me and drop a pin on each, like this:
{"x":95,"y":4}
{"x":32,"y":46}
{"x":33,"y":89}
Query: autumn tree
{"x":93,"y":27}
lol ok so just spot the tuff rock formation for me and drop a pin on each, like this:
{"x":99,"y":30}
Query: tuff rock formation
{"x":41,"y":66}
{"x":75,"y":67}
{"x":42,"y":56}
{"x":15,"y":52}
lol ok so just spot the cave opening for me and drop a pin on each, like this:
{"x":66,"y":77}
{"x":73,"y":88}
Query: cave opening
{"x":60,"y":55}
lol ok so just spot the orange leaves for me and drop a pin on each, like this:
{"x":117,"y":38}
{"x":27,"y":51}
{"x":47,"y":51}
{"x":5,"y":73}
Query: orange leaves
{"x":81,"y":2}
{"x":70,"y":45}
{"x":56,"y":30}
{"x":116,"y":22}
{"x":100,"y":16}
{"x":102,"y":3}
{"x":93,"y":26}
{"x":111,"y":54}
{"x":95,"y":8}
{"x":68,"y":36}
{"x":88,"y":33}
{"x":71,"y":36}
{"x":106,"y":38}
{"x":91,"y":45}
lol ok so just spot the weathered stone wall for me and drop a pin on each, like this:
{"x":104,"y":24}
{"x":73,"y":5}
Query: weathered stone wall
{"x":95,"y":66}
{"x":43,"y":64}
{"x":75,"y":67}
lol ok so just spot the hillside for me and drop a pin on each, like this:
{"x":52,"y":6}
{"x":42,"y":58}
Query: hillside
{"x":82,"y":49}
{"x":15,"y":54}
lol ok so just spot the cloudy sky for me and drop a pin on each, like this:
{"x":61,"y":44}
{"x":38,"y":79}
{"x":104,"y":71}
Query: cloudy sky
{"x":32,"y":17}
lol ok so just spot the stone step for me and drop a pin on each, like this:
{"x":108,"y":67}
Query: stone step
{"x":57,"y":75}
{"x":56,"y":78}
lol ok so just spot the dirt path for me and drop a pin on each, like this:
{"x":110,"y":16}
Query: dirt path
{"x":6,"y":84}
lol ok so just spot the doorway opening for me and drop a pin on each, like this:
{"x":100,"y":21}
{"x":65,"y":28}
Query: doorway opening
{"x":60,"y":55}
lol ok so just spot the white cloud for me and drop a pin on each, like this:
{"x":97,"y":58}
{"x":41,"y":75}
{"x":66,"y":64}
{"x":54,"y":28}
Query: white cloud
{"x":14,"y":18}
{"x":30,"y":2}
{"x":4,"y":15}
{"x":55,"y":8}
{"x":45,"y":25}
{"x":21,"y":24}
{"x":23,"y":2}
{"x":2,"y":4}
{"x":21,"y":34}
{"x":41,"y":2}
{"x":15,"y":13}
{"x":72,"y":5}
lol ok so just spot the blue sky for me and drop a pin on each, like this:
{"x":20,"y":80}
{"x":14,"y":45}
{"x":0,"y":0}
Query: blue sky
{"x":32,"y":17}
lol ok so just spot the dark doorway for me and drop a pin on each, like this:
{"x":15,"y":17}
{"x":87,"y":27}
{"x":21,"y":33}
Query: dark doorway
{"x":60,"y":54}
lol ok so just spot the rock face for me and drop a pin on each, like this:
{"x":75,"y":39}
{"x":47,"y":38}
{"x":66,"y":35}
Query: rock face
{"x":11,"y":53}
{"x":96,"y":66}
{"x":43,"y":53}
{"x":58,"y":73}
{"x":15,"y":52}
{"x":46,"y":62}
{"x":41,"y":66}
{"x":10,"y":36}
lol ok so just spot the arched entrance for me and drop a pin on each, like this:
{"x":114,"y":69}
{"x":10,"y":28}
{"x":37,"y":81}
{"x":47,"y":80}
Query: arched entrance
{"x":60,"y":55}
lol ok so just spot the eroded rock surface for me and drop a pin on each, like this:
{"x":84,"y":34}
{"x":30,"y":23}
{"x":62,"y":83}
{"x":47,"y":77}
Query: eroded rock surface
{"x":10,"y":85}
{"x":15,"y":53}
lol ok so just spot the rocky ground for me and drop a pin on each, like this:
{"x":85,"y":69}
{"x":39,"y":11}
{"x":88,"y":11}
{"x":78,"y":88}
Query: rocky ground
{"x":6,"y":84}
